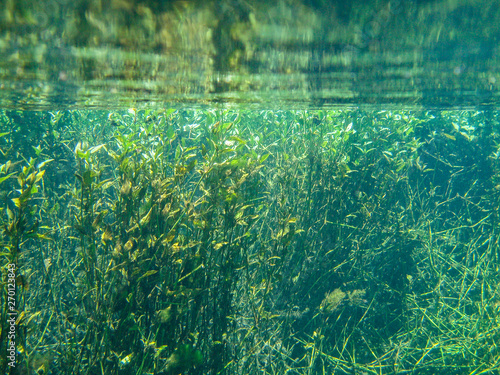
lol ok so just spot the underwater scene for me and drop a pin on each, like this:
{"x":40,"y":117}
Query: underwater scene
{"x":295,"y":187}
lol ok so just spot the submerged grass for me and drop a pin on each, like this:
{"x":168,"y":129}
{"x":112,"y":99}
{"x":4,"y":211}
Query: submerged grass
{"x":211,"y":242}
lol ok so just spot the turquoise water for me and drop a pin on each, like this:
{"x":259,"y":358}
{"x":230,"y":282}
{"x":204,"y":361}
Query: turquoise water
{"x":249,"y":188}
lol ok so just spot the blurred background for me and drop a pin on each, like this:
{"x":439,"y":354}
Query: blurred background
{"x":285,"y":54}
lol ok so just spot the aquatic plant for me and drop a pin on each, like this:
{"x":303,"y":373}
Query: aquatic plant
{"x":231,"y":242}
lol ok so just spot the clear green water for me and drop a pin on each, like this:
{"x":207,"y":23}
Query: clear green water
{"x":249,"y":188}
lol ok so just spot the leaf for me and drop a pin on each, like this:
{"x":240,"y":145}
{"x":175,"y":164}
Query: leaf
{"x":37,"y":149}
{"x":169,"y":111}
{"x":145,"y":220}
{"x":238,"y":215}
{"x":237,"y":139}
{"x":95,"y":148}
{"x":191,"y":165}
{"x":263,"y":158}
{"x":82,"y":155}
{"x":17,"y":202}
{"x":10,"y":214}
{"x":274,"y":258}
{"x":2,"y":179}
{"x":39,"y":176}
{"x":20,"y":318}
{"x":106,"y":184}
{"x":449,"y":137}
{"x":147,"y":274}
{"x":43,"y":163}
{"x":465,"y":136}
{"x":170,"y":133}
{"x":227,"y":126}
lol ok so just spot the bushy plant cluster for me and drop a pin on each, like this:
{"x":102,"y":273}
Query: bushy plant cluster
{"x":237,"y":242}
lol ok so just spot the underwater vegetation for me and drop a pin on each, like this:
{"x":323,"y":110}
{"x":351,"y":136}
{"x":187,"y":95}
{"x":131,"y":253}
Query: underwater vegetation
{"x":235,"y":242}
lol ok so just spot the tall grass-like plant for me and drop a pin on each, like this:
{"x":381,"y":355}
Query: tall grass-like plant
{"x":217,"y":241}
